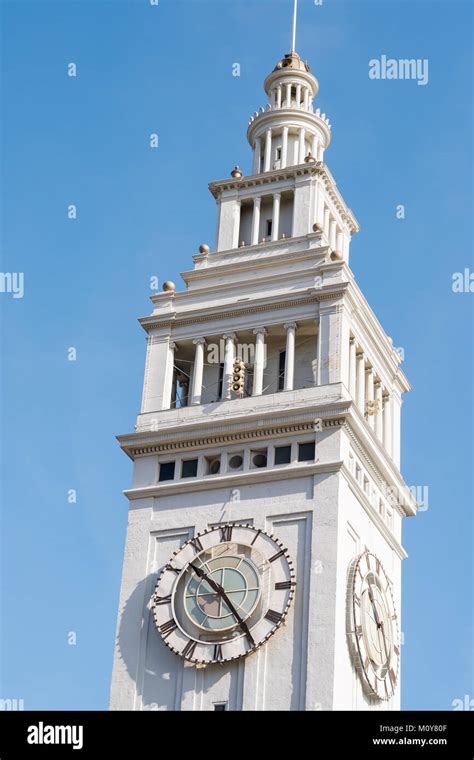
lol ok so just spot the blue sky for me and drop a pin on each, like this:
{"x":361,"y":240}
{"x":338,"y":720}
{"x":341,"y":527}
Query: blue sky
{"x":144,"y":212}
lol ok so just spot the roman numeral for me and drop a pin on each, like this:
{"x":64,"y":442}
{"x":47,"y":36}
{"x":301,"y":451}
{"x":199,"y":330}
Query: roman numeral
{"x":283,"y":585}
{"x":396,"y":650}
{"x":356,"y":600}
{"x":274,"y":617}
{"x":394,"y":617}
{"x":359,"y":630}
{"x":218,"y":653}
{"x":196,"y":544}
{"x":279,"y":554}
{"x":163,"y":599}
{"x":188,"y":650}
{"x":366,"y":663}
{"x":256,"y":536}
{"x":367,"y":559}
{"x":174,"y":569}
{"x":377,"y":566}
{"x":393,"y":677}
{"x":167,"y":628}
{"x":226,"y":533}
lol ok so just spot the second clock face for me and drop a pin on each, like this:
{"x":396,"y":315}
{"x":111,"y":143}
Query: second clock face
{"x":223,"y":594}
{"x":374,"y":626}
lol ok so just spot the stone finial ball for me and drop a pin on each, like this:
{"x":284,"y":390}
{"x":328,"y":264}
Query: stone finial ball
{"x":169,"y":286}
{"x":236,"y":172}
{"x":203,"y":248}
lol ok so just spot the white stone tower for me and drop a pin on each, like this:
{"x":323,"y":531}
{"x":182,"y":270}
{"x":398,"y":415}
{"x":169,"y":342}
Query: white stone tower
{"x":263,"y":554}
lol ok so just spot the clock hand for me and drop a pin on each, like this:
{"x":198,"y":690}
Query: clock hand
{"x":384,"y":641}
{"x":378,"y":623}
{"x":219,"y":590}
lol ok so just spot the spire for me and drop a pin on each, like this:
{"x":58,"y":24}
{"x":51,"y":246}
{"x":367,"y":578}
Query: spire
{"x":293,"y":37}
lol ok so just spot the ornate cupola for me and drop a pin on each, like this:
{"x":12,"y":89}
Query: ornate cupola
{"x":288,"y":130}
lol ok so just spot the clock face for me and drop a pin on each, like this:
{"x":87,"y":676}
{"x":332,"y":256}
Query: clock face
{"x":223,"y":594}
{"x":374,"y":626}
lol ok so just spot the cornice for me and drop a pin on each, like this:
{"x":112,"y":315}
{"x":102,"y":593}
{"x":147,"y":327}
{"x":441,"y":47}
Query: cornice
{"x":200,"y":317}
{"x":216,"y":438}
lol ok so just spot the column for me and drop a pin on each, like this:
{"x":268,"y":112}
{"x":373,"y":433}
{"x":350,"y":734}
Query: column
{"x":298,"y":95}
{"x":339,"y":241}
{"x":279,"y":96}
{"x":290,"y":356}
{"x":326,"y":222}
{"x":387,"y":423}
{"x":288,"y":95}
{"x":332,"y":234}
{"x":378,"y":411}
{"x":319,"y":205}
{"x":301,"y":148}
{"x":352,"y":368}
{"x":314,"y":146}
{"x":268,"y":150}
{"x":256,"y":219}
{"x":229,"y":356}
{"x":276,"y":216}
{"x":284,"y":148}
{"x":369,"y":395}
{"x":361,"y":382}
{"x":259,"y":363}
{"x":196,"y":388}
{"x":306,"y":101}
{"x":236,"y":230}
{"x":258,"y":155}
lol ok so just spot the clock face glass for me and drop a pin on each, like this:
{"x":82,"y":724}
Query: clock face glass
{"x":374,"y":633}
{"x":376,"y":625}
{"x":237,"y":576}
{"x":223,"y":593}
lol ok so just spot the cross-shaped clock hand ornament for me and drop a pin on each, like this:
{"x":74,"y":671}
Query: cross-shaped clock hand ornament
{"x":219,"y":590}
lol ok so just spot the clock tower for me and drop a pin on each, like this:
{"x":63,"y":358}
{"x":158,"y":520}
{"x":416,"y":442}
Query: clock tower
{"x":262,"y":567}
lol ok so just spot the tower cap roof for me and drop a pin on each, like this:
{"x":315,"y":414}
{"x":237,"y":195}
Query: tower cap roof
{"x":292,"y":61}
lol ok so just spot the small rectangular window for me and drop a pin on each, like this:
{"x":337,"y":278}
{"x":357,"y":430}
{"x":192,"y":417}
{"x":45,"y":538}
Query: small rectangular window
{"x":189,"y":468}
{"x":305,"y":452}
{"x":281,"y":370}
{"x":220,"y":707}
{"x":283,"y":455}
{"x":166,"y":471}
{"x":278,"y":153}
{"x":269,"y":228}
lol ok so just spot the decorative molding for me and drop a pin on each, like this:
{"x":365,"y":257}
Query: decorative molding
{"x":152,"y":322}
{"x":208,"y":441}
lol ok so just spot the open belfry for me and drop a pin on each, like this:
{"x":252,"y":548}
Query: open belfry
{"x":262,"y":567}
